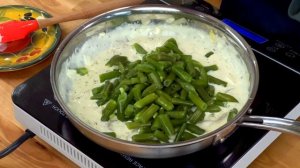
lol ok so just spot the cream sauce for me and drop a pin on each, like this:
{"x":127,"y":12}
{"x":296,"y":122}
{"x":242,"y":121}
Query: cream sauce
{"x":196,"y":42}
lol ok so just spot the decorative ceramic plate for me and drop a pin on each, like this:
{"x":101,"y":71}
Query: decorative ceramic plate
{"x":33,"y":49}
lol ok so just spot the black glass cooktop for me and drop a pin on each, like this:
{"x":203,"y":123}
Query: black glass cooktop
{"x":278,"y":94}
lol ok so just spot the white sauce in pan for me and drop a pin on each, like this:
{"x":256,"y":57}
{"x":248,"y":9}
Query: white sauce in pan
{"x":99,"y":49}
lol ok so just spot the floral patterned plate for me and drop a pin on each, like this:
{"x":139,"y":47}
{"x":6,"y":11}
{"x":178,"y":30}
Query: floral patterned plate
{"x":34,"y":49}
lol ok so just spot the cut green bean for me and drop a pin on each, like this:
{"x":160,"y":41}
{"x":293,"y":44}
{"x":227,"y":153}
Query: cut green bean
{"x":176,"y":114}
{"x":178,"y":101}
{"x":203,"y":93}
{"x":178,"y":122}
{"x":165,"y":103}
{"x":161,"y":136}
{"x":148,"y":113}
{"x":139,"y":49}
{"x":169,"y":79}
{"x":108,"y":110}
{"x":129,"y":111}
{"x":97,"y":90}
{"x":166,"y":124}
{"x":154,"y":77}
{"x":116,"y":59}
{"x":197,"y":101}
{"x":109,"y":75}
{"x":225,"y":97}
{"x":146,"y":100}
{"x":197,"y":116}
{"x":180,"y":132}
{"x":82,"y":71}
{"x":211,"y":68}
{"x":213,"y":108}
{"x":163,"y":94}
{"x":145,"y":129}
{"x":143,"y":137}
{"x":187,"y":136}
{"x":232,"y":113}
{"x":150,"y":89}
{"x":215,"y":80}
{"x":182,"y":74}
{"x":121,"y":104}
{"x":156,"y":124}
{"x":135,"y":125}
{"x":137,"y":91}
{"x":195,"y":129}
{"x":145,"y":67}
{"x":112,"y":134}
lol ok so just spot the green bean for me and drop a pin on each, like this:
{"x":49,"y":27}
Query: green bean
{"x":187,"y":136}
{"x":203,"y":93}
{"x":97,"y":90}
{"x":145,"y":101}
{"x":182,"y":74}
{"x":211,"y":90}
{"x":139,"y":49}
{"x":197,"y":101}
{"x":142,"y":137}
{"x":176,"y":114}
{"x":197,"y":64}
{"x":177,"y":101}
{"x":195,"y":129}
{"x":116,"y":59}
{"x":137,"y":91}
{"x":150,"y":89}
{"x":139,"y":114}
{"x":180,"y":132}
{"x":197,"y":116}
{"x":154,"y":77}
{"x":177,"y":122}
{"x":211,"y":68}
{"x":145,"y":67}
{"x":183,"y":94}
{"x":148,"y":113}
{"x":121,"y":104}
{"x":112,"y":134}
{"x":225,"y":97}
{"x":180,"y":64}
{"x":169,"y":79}
{"x":165,"y":103}
{"x":161,"y":136}
{"x":165,"y":57}
{"x":142,"y":77}
{"x":82,"y":71}
{"x":108,"y":110}
{"x":135,"y":125}
{"x":232,"y":113}
{"x":163,"y":94}
{"x":109,"y":75}
{"x":217,"y":81}
{"x":186,"y":86}
{"x":166,"y":124}
{"x":103,"y":96}
{"x":199,"y":82}
{"x":209,"y":54}
{"x":213,"y":108}
{"x":174,"y":88}
{"x":129,"y":111}
{"x":204,"y":78}
{"x":145,"y":129}
{"x":156,"y":124}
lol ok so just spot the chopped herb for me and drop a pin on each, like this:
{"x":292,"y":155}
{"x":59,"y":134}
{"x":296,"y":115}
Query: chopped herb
{"x":209,"y":54}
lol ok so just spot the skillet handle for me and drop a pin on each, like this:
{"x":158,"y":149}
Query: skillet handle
{"x":271,"y":123}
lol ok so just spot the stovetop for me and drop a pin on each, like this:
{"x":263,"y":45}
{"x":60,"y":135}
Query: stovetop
{"x":277,"y":95}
